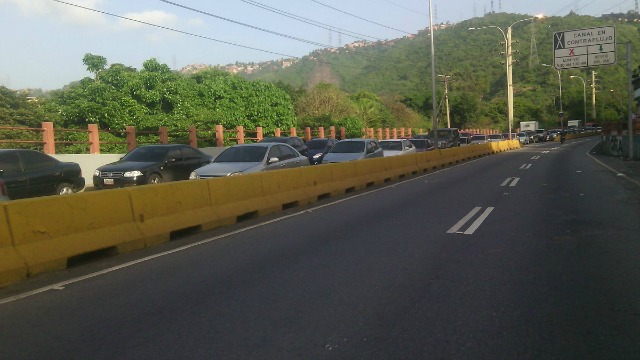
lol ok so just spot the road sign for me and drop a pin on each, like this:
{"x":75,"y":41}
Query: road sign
{"x":584,"y":47}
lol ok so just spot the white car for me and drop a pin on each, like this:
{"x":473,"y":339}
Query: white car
{"x":523,"y":138}
{"x":479,"y":139}
{"x":397,"y":147}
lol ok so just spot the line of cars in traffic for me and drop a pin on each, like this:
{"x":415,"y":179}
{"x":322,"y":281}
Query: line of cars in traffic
{"x":29,"y":173}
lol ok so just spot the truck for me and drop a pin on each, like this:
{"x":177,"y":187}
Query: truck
{"x":529,"y":125}
{"x":576,"y":124}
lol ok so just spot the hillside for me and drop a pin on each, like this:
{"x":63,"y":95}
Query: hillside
{"x":475,"y":62}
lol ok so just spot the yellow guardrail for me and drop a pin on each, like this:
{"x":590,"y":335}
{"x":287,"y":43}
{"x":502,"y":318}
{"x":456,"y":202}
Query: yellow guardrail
{"x":41,"y":234}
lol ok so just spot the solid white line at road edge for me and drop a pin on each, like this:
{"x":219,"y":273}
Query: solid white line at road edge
{"x":618,"y":173}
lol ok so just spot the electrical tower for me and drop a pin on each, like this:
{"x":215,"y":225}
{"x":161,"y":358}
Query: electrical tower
{"x":534,"y":60}
{"x":499,"y":5}
{"x":637,"y":6}
{"x":475,"y":12}
{"x":493,"y":10}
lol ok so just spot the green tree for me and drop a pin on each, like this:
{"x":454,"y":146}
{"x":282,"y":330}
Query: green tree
{"x":94,"y":63}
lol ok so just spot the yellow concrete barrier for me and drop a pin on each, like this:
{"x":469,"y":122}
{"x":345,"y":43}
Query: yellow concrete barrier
{"x":42,"y":234}
{"x":12,"y":267}
{"x":161,"y":209}
{"x":48,"y":231}
{"x":403,"y":165}
{"x":317,"y":182}
{"x":284,"y":188}
{"x":234,"y":196}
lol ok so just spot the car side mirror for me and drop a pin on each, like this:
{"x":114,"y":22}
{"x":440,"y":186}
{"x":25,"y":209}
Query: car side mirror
{"x":273,"y":160}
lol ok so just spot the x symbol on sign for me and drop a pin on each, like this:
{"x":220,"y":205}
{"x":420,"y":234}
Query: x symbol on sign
{"x":571,"y":52}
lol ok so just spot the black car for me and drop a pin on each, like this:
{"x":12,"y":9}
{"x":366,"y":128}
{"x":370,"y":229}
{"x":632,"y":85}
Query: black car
{"x":293,"y":141}
{"x":30,"y":173}
{"x":447,"y":137}
{"x":150,"y":164}
{"x":316,"y":148}
{"x":422,"y":144}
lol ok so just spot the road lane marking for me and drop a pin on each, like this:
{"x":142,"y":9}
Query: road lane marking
{"x":535,"y":157}
{"x":512,"y":180}
{"x":525,"y":166}
{"x":461,"y":223}
{"x":475,"y":225}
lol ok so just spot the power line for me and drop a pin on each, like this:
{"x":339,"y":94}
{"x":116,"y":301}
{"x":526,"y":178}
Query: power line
{"x":246,"y":25}
{"x":172,"y":29}
{"x":313,"y":22}
{"x":262,"y":29}
{"x":196,"y":35}
{"x":307,"y":20}
{"x":361,"y":18}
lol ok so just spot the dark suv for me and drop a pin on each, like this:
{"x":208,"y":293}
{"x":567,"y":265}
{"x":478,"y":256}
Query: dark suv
{"x":29,"y":173}
{"x":447,"y":137}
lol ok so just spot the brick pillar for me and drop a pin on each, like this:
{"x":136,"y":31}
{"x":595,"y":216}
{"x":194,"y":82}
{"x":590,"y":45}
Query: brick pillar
{"x":193,"y":136}
{"x":321,"y":132}
{"x":48,"y":138}
{"x":292,"y":132}
{"x":259,"y":133}
{"x":94,"y":139}
{"x":277,"y":132}
{"x":343,"y":133}
{"x":219,"y":136}
{"x":307,"y":133}
{"x":163,"y":134}
{"x":131,"y":137}
{"x":240,"y":134}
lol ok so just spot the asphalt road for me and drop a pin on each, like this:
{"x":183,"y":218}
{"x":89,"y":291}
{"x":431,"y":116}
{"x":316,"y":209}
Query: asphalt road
{"x":529,"y":254}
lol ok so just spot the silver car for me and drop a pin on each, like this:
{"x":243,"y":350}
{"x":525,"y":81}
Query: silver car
{"x":249,"y":158}
{"x":395,"y":147}
{"x":353,"y":149}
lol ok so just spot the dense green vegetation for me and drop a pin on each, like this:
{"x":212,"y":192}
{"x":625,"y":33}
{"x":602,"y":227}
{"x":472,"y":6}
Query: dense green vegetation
{"x":475,"y":61}
{"x":384,"y":84}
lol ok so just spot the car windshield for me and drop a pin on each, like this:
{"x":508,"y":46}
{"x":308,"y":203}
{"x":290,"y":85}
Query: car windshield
{"x":317,"y":144}
{"x":147,"y":154}
{"x":242,"y":154}
{"x":495,"y":136}
{"x":391,"y":145}
{"x":348,"y":147}
{"x":419,"y":143}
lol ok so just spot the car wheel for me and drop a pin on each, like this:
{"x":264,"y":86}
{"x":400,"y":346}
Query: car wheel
{"x":154,"y":179}
{"x":64,"y":189}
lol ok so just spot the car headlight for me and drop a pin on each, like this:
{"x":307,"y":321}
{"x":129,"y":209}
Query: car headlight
{"x":317,"y":156}
{"x":134,"y":173}
{"x":96,"y":173}
{"x":194,"y":175}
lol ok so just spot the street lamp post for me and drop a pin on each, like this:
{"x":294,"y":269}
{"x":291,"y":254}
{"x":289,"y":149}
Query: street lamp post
{"x":561,"y":113}
{"x":584,"y":95}
{"x":509,"y":64}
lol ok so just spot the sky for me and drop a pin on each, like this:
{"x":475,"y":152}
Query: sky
{"x":44,"y":41}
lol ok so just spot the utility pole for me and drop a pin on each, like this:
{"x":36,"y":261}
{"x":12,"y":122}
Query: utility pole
{"x":445,"y":80}
{"x":593,"y":96}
